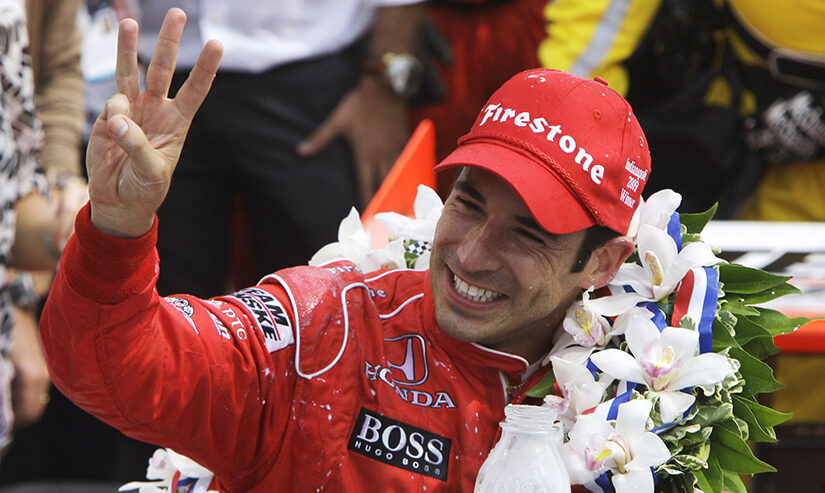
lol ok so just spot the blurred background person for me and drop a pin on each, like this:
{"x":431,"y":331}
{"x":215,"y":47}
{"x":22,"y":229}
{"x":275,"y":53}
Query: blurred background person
{"x":670,"y":59}
{"x":731,"y":95}
{"x":716,"y":107}
{"x":34,"y":225}
{"x":54,"y":47}
{"x":64,"y":435}
{"x":475,"y":46}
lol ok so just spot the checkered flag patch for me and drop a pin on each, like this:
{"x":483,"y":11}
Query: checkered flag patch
{"x":417,"y":248}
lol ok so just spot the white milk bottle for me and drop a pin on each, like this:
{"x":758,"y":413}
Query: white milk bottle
{"x":527,"y":457}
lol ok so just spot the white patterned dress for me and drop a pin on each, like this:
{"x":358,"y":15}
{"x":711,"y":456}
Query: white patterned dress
{"x":21,"y":136}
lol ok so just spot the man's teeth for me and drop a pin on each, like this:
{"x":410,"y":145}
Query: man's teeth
{"x":474,"y":293}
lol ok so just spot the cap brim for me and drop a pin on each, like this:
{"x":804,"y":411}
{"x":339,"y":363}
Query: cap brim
{"x":550,"y":202}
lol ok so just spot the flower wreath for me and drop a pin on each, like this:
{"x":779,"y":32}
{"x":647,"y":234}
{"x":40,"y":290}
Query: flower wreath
{"x":655,"y":376}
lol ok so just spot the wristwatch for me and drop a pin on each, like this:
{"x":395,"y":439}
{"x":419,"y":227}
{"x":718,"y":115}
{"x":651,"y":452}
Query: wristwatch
{"x":24,"y":293}
{"x":402,"y":72}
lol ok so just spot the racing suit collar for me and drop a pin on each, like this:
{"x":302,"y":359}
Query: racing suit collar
{"x":513,"y":366}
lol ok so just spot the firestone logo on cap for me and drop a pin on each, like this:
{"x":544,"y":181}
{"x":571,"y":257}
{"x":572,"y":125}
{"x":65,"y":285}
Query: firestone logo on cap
{"x":567,"y":143}
{"x":571,"y":148}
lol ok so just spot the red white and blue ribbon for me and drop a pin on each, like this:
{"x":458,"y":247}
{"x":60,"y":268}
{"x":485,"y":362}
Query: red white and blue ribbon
{"x":696,"y":298}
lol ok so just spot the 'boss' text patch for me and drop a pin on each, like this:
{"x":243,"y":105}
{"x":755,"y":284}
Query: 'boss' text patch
{"x":401,"y":445}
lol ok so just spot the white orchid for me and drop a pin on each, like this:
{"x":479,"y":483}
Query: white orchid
{"x":585,"y":325}
{"x":585,"y":330}
{"x":663,"y":267}
{"x":656,"y":211}
{"x":427,"y":208}
{"x":163,"y":466}
{"x":579,"y":347}
{"x":666,"y":362}
{"x":624,"y":448}
{"x":580,"y":390}
{"x":354,"y":243}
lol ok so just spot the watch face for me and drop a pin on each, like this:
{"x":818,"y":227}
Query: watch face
{"x":404,"y":74}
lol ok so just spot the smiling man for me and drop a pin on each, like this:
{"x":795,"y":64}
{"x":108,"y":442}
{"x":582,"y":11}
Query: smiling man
{"x":501,"y":280}
{"x":328,"y":378}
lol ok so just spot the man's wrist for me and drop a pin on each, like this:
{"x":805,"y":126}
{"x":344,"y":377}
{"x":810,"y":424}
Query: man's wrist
{"x":120,"y":226}
{"x":400,"y":73}
{"x":107,"y":268}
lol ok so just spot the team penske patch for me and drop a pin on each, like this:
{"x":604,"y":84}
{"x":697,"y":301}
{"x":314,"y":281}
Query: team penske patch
{"x":401,"y":445}
{"x":270,"y":317}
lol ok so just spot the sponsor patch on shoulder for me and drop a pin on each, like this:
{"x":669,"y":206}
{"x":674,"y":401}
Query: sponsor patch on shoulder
{"x":270,"y":317}
{"x":220,"y":327}
{"x":185,"y":308}
{"x":401,"y":445}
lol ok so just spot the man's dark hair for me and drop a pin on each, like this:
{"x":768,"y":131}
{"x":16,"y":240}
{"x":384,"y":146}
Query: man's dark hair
{"x":595,"y":236}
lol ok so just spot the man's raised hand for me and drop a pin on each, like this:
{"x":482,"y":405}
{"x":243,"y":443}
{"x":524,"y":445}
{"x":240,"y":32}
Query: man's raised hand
{"x":137,"y":139}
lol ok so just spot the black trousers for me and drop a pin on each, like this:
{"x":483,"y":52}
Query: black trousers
{"x":242,"y":144}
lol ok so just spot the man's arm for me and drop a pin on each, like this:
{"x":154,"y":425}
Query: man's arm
{"x":158,"y":373}
{"x":136,"y":141}
{"x":189,"y":374}
{"x":371,"y":117}
{"x":56,"y":42}
{"x":30,"y":386}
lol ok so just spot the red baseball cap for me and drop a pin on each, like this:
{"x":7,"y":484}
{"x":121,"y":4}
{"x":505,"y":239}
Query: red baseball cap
{"x":570,"y":147}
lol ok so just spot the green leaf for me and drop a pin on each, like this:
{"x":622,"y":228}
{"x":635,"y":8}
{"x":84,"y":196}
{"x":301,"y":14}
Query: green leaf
{"x":690,"y":238}
{"x":768,"y":294}
{"x":701,"y":451}
{"x":761,"y":348}
{"x":727,"y":319}
{"x":710,"y":479}
{"x":777,"y":322}
{"x":765,"y":415}
{"x":734,"y":454}
{"x":736,"y":426}
{"x":709,"y":415}
{"x":688,"y":462}
{"x":543,"y":387}
{"x":759,"y":432}
{"x":722,"y":336}
{"x":674,"y":483}
{"x":696,"y":222}
{"x":746,"y":330}
{"x":758,"y":375}
{"x":732,"y":483}
{"x":737,"y":307}
{"x":746,"y":280}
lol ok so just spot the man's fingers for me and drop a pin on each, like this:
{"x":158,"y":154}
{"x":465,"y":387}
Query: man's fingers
{"x":117,"y":105}
{"x":162,"y":66}
{"x":367,"y":181}
{"x":126,"y":71}
{"x":194,"y":90}
{"x":319,"y":139}
{"x":134,"y":142}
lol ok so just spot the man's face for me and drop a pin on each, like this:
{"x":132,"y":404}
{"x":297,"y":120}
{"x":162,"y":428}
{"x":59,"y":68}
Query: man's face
{"x":498,"y":278}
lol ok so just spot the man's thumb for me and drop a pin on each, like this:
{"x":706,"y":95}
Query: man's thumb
{"x":130,"y":137}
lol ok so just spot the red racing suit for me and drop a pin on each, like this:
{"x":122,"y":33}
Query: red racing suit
{"x":316,"y":379}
